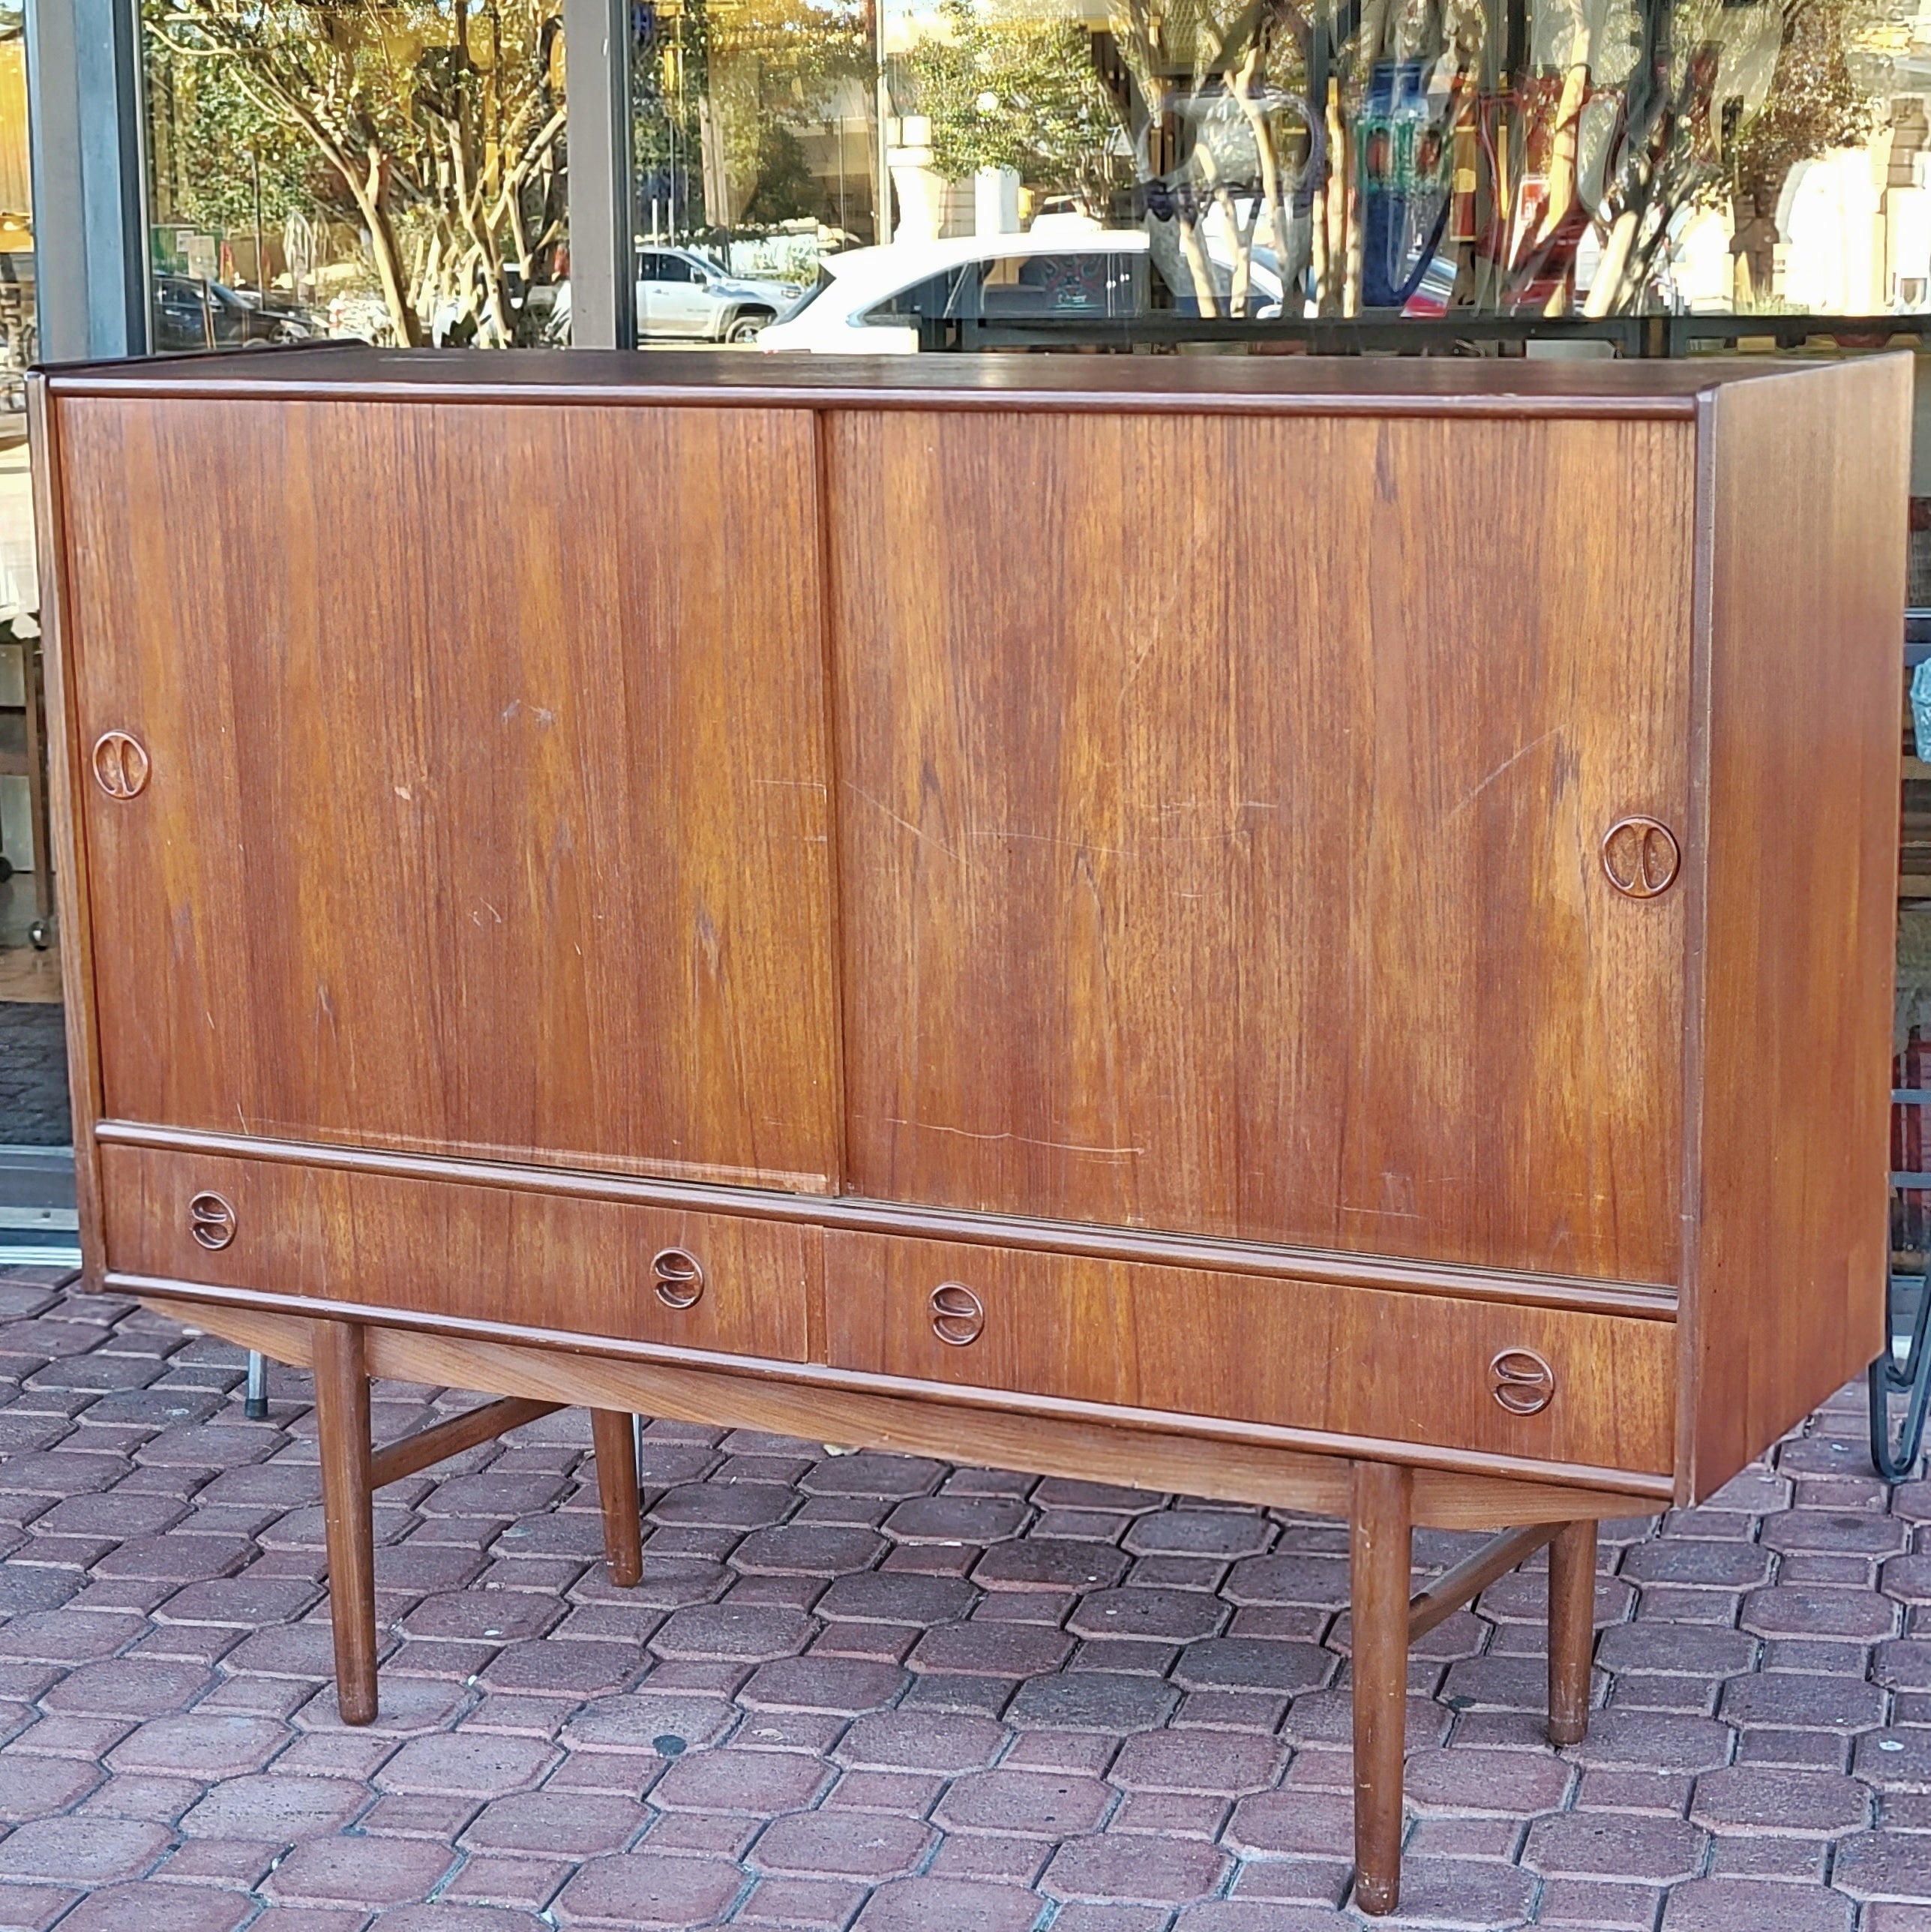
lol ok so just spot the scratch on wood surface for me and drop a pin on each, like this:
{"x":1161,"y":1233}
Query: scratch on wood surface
{"x":1024,"y":1140}
{"x":1053,"y":838}
{"x":917,"y":831}
{"x":1514,"y":758}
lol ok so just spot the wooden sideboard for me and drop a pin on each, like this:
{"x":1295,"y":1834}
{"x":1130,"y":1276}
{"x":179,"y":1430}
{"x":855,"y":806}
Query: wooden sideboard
{"x":1317,"y":933}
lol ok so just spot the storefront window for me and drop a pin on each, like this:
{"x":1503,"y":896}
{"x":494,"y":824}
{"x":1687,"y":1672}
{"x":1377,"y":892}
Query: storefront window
{"x":1526,"y":161}
{"x":754,"y":128}
{"x":34,"y":1118}
{"x":393,"y":171}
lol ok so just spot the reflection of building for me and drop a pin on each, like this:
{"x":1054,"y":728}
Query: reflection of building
{"x":754,"y":118}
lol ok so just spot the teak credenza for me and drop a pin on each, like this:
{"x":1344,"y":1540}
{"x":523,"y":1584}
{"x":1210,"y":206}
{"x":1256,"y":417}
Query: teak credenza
{"x":1316,"y":933}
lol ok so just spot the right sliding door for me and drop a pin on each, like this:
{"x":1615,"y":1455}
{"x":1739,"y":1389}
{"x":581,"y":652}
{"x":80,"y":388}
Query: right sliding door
{"x":1222,"y":804}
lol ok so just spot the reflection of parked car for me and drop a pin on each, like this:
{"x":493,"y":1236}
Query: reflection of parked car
{"x":190,"y":313}
{"x":877,"y":301}
{"x":681,"y":295}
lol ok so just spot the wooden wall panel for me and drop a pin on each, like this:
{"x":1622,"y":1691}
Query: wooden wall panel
{"x":1220,"y":804}
{"x":1807,"y":482}
{"x":1353,"y":1362}
{"x":487,"y":810}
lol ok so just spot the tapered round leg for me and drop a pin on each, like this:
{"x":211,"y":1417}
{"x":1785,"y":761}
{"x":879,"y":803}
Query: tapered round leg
{"x":614,"y":1433}
{"x":1380,"y":1554}
{"x":342,"y":1419}
{"x":1572,"y":1630}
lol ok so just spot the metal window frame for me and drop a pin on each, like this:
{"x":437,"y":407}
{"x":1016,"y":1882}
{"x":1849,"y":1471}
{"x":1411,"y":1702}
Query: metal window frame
{"x":603,"y":275}
{"x":87,"y":140}
{"x":89,"y":181}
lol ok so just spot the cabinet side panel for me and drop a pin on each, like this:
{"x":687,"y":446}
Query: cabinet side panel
{"x":487,"y":809}
{"x":1806,"y":482}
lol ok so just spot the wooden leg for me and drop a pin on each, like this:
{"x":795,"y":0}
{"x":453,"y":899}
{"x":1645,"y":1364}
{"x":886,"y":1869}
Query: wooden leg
{"x":1380,"y":1554}
{"x":342,"y":1414}
{"x":1572,"y":1630}
{"x":614,"y":1434}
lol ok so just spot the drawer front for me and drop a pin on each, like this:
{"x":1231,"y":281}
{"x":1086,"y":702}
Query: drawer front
{"x":451,"y":1248}
{"x":1553,"y":1384}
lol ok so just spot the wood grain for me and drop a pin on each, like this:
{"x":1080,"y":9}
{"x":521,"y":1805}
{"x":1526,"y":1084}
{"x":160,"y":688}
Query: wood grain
{"x":897,"y":1218}
{"x":1231,"y":866}
{"x":1805,"y":501}
{"x":1472,"y":1575}
{"x":1572,"y":1630}
{"x":1473,"y":1467}
{"x":1463,"y":387}
{"x":437,"y":1444}
{"x":1066,"y":1444}
{"x":1406,"y":1368}
{"x":500,"y":764}
{"x":1125,"y":840}
{"x":614,"y":1433}
{"x":342,"y":1424}
{"x":1379,"y":1563}
{"x":485,"y":1252}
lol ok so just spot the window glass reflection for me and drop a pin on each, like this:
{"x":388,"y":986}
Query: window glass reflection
{"x":1532,"y":160}
{"x":394,"y":172}
{"x":753,"y":131}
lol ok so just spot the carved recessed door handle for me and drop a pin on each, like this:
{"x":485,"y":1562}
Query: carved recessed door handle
{"x":120,"y":766}
{"x":1641,"y":856}
{"x":958,"y":1315}
{"x":210,"y":1220}
{"x":680,"y":1275}
{"x":1521,"y":1381}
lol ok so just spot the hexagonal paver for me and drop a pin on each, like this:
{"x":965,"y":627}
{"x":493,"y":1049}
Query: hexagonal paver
{"x":1778,"y":1799}
{"x":1168,"y":1616}
{"x":861,"y":1845}
{"x":870,"y":1693}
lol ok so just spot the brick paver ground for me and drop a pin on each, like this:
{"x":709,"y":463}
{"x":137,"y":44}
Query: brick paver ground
{"x":33,"y":1074}
{"x":874,"y":1691}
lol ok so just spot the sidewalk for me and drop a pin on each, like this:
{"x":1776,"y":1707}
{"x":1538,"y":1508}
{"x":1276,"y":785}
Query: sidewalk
{"x":873,"y":1689}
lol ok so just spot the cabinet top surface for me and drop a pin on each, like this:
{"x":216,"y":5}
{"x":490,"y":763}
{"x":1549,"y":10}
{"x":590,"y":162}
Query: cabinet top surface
{"x":1294,"y":384}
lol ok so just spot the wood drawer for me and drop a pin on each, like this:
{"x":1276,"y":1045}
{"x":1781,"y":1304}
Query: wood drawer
{"x":1418,"y":1369}
{"x":453,"y":1248}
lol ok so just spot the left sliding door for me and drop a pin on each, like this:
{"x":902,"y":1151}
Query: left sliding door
{"x":470,"y":791}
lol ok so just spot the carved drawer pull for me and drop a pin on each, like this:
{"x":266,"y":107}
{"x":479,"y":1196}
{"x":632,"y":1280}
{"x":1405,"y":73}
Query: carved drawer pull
{"x":1641,"y":856}
{"x":958,"y":1315}
{"x":120,"y":765}
{"x":210,"y":1220}
{"x":680,"y":1275}
{"x":1523,"y":1383}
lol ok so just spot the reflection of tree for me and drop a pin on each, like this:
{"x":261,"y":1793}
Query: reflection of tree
{"x":210,"y":141}
{"x":1226,"y":134}
{"x":1008,"y":91}
{"x":1813,"y":105}
{"x":1256,"y":121}
{"x":732,"y":84}
{"x":1690,"y":133}
{"x":443,"y":126}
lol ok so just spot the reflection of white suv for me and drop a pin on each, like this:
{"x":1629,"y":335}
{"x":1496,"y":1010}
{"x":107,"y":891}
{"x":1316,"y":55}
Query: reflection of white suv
{"x":876,"y":298}
{"x":679,"y":293}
